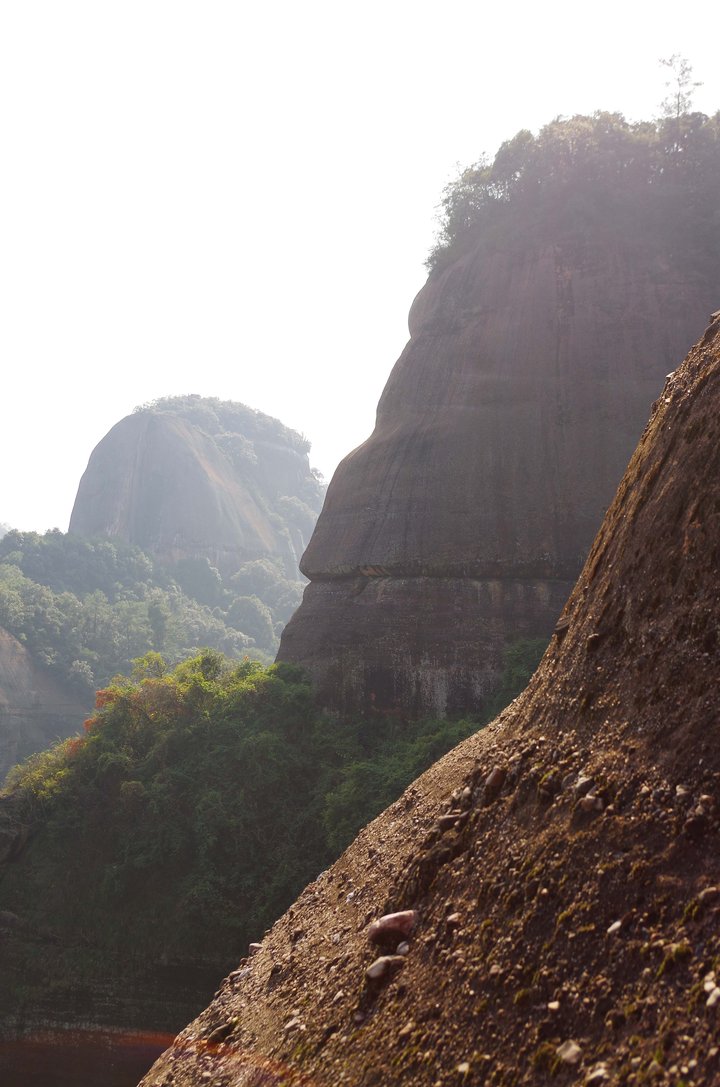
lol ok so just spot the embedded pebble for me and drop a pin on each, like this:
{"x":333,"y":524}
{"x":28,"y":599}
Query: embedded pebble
{"x":384,"y":966}
{"x":494,"y":783}
{"x":392,"y":925}
{"x":569,"y":1052}
{"x":238,"y":975}
{"x":221,"y":1033}
{"x":407,"y":1030}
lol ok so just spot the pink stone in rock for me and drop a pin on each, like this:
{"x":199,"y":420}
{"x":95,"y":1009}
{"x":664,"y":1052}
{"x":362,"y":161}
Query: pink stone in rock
{"x":392,"y":925}
{"x":494,"y":783}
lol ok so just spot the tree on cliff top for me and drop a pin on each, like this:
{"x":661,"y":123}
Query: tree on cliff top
{"x":681,"y":86}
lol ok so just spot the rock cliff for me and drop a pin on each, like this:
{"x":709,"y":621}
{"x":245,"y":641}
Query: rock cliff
{"x":194,"y":478}
{"x":35,"y":709}
{"x":504,"y":428}
{"x":557,"y":875}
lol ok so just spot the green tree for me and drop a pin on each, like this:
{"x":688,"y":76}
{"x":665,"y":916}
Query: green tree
{"x":249,"y":615}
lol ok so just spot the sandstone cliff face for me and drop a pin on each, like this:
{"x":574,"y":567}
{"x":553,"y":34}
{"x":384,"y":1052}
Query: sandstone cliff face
{"x":501,"y":435}
{"x":160,"y":481}
{"x":35,"y":710}
{"x":561,"y":867}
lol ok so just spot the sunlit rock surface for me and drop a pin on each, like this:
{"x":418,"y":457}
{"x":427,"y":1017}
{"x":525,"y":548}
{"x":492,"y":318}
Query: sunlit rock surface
{"x":461,"y":524}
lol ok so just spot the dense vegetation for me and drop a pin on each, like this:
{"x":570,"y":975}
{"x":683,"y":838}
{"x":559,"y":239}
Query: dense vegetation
{"x":582,"y":175}
{"x":195,"y":806}
{"x":87,"y":609}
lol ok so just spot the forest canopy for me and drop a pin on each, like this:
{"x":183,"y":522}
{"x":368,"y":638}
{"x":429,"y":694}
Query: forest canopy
{"x":587,"y":173}
{"x":208,"y":794}
{"x":86,"y":609}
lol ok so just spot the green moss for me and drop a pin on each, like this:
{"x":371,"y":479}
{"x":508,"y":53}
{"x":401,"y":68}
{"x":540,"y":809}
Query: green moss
{"x":674,"y":953}
{"x":545,"y":1058}
{"x":691,"y":910}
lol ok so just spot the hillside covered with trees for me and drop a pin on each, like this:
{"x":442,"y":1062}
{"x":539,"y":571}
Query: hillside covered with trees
{"x":194,"y":806}
{"x":86,"y":609}
{"x":186,"y":533}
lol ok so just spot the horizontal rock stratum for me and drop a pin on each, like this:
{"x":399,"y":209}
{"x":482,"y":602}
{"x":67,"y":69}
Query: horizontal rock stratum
{"x":562,"y":865}
{"x":461,"y":524}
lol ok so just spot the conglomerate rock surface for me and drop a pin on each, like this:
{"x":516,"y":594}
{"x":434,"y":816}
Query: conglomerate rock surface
{"x":562,"y":865}
{"x":462,"y":523}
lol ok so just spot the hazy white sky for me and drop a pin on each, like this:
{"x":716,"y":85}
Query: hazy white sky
{"x":236,"y":198}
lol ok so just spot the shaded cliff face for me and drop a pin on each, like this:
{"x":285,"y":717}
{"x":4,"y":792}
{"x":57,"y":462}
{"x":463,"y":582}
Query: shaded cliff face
{"x":501,"y":435}
{"x":561,"y":866}
{"x":35,"y":710}
{"x":161,"y":481}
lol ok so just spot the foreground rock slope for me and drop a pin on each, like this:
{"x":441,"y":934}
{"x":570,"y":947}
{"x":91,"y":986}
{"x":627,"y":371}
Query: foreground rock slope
{"x":562,"y":866}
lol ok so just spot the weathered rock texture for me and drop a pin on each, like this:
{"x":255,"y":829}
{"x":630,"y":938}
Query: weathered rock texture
{"x":35,"y":710}
{"x":160,"y":481}
{"x":563,"y":864}
{"x":501,"y":436}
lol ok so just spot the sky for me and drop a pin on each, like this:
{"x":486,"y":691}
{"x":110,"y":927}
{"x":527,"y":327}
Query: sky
{"x":236,"y":199}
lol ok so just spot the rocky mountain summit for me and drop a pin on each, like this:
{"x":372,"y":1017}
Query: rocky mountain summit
{"x":462,"y":523}
{"x":543,"y":903}
{"x":199,"y":478}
